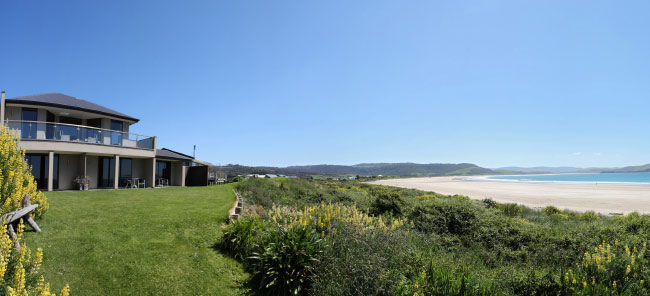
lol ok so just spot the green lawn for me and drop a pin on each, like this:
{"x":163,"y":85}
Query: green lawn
{"x":138,"y":242}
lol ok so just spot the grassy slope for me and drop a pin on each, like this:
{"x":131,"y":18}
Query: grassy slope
{"x":138,"y":242}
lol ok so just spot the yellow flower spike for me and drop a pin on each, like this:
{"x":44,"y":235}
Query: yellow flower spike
{"x":38,"y":258}
{"x":19,"y":279}
{"x":65,"y":291}
{"x":614,"y":284}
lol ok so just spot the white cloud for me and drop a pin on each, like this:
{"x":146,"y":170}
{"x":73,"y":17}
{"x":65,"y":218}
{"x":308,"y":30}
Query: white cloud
{"x":597,"y":154}
{"x":576,"y":153}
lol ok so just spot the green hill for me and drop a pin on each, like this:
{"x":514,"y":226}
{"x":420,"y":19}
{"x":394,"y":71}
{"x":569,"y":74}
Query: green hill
{"x":631,"y":169}
{"x":369,"y":169}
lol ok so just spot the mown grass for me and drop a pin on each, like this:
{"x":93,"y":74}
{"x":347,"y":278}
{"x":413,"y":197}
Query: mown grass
{"x":138,"y":242}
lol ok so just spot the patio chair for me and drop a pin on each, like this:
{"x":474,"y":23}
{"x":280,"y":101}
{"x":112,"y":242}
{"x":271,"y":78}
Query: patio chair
{"x":128,"y":183}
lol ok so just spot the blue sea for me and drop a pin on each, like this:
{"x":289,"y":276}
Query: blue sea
{"x":621,"y":178}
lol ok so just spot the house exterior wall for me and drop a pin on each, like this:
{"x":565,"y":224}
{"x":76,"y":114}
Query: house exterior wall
{"x":149,"y":168}
{"x":12,"y":113}
{"x":72,"y":147}
{"x":176,"y":174}
{"x":92,"y":170}
{"x":68,"y":170}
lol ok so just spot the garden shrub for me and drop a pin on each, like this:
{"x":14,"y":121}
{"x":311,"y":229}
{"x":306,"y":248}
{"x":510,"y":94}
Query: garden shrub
{"x":286,"y":263}
{"x":611,"y":269}
{"x":511,"y":209}
{"x":634,"y":223}
{"x":445,"y":216}
{"x":489,"y":203}
{"x":387,"y":202}
{"x":362,"y":262}
{"x":551,"y":210}
{"x":588,"y":216}
{"x":443,"y":280}
{"x":244,"y":236}
{"x":16,"y":179}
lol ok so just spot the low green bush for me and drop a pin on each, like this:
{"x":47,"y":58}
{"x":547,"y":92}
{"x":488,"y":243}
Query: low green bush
{"x":363,"y":262}
{"x":387,"y":202}
{"x":441,"y":216}
{"x":490,"y":203}
{"x":551,"y":210}
{"x":287,"y":261}
{"x":511,"y":209}
{"x":589,"y":216}
{"x":244,"y":237}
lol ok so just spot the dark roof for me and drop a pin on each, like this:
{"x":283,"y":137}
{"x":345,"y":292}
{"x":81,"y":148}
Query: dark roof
{"x":170,"y":154}
{"x":68,"y":102}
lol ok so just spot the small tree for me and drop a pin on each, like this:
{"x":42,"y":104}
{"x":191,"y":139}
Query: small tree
{"x":16,"y":179}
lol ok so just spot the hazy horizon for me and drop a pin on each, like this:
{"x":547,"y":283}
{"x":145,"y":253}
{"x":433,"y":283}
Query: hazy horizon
{"x":496,"y":167}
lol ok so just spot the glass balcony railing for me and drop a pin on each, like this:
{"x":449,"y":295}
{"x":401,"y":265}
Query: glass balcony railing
{"x":34,"y":130}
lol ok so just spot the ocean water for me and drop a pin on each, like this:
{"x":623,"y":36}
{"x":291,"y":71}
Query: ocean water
{"x":621,"y":178}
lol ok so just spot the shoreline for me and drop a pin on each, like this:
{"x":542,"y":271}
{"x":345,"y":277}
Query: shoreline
{"x":607,"y":199}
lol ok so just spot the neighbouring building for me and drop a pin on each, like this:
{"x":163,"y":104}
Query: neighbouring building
{"x":66,"y":137}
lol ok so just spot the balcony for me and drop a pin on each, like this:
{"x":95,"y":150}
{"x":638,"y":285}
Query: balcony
{"x":50,"y":131}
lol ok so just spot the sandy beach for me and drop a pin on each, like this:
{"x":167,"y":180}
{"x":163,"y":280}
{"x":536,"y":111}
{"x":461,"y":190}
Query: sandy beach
{"x":605,"y":199}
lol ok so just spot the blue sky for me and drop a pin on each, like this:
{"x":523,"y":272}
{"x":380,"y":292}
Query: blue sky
{"x":494,"y":83}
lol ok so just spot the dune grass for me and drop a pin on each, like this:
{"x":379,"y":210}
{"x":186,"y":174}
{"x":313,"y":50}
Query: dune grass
{"x":138,"y":242}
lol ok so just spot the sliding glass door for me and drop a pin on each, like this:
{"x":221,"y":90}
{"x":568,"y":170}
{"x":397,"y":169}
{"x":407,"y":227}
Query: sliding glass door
{"x":29,"y":117}
{"x":116,"y":136}
{"x":40,"y":164}
{"x":163,"y":171}
{"x":126,"y":171}
{"x":106,"y":175}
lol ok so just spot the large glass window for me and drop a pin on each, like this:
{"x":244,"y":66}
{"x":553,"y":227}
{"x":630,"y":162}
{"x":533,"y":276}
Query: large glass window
{"x":106,"y":176}
{"x":68,"y":132}
{"x":40,"y":164}
{"x":116,"y":137}
{"x":28,"y":129}
{"x":163,"y":171}
{"x":126,"y":171}
{"x":49,"y":128}
{"x":94,"y":135}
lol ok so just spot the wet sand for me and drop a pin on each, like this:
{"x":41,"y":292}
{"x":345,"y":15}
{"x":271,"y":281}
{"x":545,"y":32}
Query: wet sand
{"x":601,"y":198}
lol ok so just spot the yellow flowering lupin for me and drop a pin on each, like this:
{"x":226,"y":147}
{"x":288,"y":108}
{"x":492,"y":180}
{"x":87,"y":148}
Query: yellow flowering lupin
{"x":15,"y":177}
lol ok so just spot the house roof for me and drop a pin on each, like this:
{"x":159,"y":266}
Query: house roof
{"x":171,"y":154}
{"x":64,"y":101}
{"x":202,"y":162}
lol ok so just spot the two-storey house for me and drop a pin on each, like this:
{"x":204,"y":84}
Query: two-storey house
{"x":66,"y":137}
